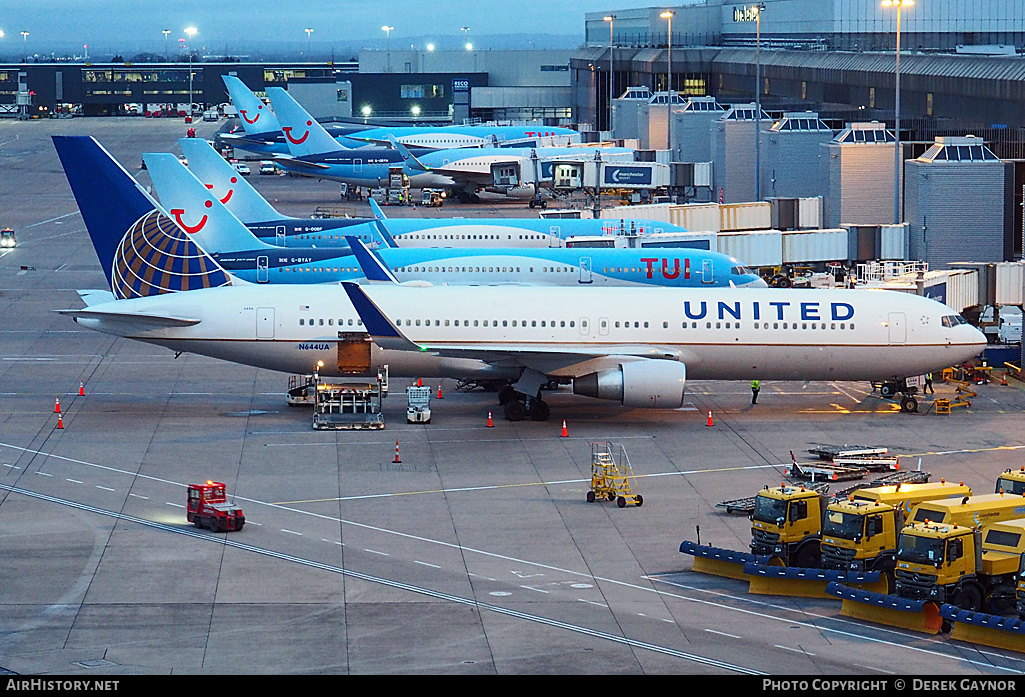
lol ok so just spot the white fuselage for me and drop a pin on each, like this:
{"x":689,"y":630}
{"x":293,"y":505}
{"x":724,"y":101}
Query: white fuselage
{"x":721,"y":333}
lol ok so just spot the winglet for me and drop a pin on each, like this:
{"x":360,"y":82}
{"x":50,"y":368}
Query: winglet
{"x":376,"y":210}
{"x":382,"y":227}
{"x":408,"y":158}
{"x":381,"y":329}
{"x":370,"y":263}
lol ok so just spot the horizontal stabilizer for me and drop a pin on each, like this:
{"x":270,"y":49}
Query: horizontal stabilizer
{"x":143,"y":321}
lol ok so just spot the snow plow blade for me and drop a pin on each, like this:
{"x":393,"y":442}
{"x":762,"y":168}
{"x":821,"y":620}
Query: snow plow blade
{"x":807,"y":583}
{"x":720,"y":562}
{"x":988,"y":630}
{"x":916,"y":615}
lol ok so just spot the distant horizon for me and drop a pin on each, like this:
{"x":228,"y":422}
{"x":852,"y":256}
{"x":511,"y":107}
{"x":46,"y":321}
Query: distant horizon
{"x":130,"y":27}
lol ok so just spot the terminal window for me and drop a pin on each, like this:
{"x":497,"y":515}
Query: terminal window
{"x":421,"y":91}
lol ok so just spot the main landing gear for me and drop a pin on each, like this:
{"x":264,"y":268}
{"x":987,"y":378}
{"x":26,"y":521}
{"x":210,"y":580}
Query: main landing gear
{"x":519,"y":406}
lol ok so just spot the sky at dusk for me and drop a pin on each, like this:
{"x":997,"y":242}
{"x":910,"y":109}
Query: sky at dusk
{"x":135,"y":25}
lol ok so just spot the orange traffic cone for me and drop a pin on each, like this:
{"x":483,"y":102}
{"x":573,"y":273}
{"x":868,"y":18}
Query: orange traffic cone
{"x":57,"y":406}
{"x":565,"y":433}
{"x":81,"y":389}
{"x":490,"y":422}
{"x":1003,"y":380}
{"x":439,"y":391}
{"x":396,"y":460}
{"x":60,"y":421}
{"x":710,"y":423}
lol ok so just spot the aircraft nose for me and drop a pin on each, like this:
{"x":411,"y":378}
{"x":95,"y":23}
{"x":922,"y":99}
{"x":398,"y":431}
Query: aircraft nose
{"x":977,"y":337}
{"x":755,"y":282}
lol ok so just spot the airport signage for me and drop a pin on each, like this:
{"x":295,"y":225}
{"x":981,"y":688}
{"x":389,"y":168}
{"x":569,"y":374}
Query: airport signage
{"x":627,"y":175}
{"x":460,"y":85}
{"x":745,"y":13}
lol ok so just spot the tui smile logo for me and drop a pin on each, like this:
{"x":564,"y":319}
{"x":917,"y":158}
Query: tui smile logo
{"x":227,"y":196}
{"x":248,"y":120}
{"x":287,"y":130}
{"x":191,"y":229}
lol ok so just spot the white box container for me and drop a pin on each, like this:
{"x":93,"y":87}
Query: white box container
{"x":894,"y":242}
{"x":814,"y":245}
{"x":745,"y":216}
{"x":762,"y":248}
{"x":809,"y":213}
{"x":697,"y":217}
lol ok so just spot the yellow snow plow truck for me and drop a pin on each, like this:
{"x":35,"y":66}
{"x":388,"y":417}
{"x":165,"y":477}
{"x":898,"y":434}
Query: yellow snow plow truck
{"x":952,"y":557}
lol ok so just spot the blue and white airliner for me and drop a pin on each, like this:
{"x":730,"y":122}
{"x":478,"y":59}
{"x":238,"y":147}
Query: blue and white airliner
{"x":270,"y":226}
{"x":633,"y":346}
{"x":199,"y":211}
{"x":262,"y":132}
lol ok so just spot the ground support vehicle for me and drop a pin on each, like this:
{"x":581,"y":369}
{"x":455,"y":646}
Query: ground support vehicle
{"x":347,"y":406}
{"x":858,"y":541}
{"x":610,"y":480}
{"x":418,"y":409}
{"x":7,"y":238}
{"x":831,"y":452}
{"x":301,"y":390}
{"x":208,"y":507}
{"x":432,"y":198}
{"x":973,"y":568}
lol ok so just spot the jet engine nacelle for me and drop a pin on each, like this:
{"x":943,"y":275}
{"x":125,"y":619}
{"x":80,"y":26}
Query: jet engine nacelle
{"x":647,"y":384}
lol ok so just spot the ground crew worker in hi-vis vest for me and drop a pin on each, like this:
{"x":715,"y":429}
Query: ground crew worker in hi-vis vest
{"x":755,"y":386}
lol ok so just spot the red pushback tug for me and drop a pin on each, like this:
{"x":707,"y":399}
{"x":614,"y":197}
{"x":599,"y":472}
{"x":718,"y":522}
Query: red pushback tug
{"x":208,"y":507}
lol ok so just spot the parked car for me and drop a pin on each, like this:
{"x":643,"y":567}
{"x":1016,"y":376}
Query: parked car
{"x":242,"y":168}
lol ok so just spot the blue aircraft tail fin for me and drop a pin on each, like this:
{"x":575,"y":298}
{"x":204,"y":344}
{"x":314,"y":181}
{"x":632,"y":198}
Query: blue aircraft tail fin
{"x":141,"y":250}
{"x":381,"y":225}
{"x":303,"y":135}
{"x":256,"y":117}
{"x":230,"y":187}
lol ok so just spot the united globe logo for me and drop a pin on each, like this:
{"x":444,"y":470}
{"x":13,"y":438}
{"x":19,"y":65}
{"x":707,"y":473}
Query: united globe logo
{"x":156,"y":257}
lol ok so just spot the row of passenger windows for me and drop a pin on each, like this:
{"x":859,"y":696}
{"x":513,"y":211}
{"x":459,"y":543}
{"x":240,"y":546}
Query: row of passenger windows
{"x":571,"y":323}
{"x":330,"y":322}
{"x":411,"y":236}
{"x":460,"y":269}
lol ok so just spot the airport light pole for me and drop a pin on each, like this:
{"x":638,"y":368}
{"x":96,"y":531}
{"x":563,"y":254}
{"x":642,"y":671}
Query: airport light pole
{"x":899,"y":4}
{"x":668,"y":15}
{"x":611,"y":19}
{"x":308,"y":32}
{"x":24,"y":35}
{"x":191,"y":31}
{"x":165,"y":32}
{"x":758,"y":9}
{"x":387,"y":38}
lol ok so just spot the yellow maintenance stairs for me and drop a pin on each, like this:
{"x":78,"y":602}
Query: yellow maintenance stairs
{"x":610,"y":480}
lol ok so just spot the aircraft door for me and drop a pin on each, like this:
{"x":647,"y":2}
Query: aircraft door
{"x":898,"y":328}
{"x":354,"y":353}
{"x":585,"y":326}
{"x":279,"y":236}
{"x":265,"y":323}
{"x":554,"y":238}
{"x":707,"y":271}
{"x":357,"y":165}
{"x":603,"y":326}
{"x":262,"y":270}
{"x":585,"y":270}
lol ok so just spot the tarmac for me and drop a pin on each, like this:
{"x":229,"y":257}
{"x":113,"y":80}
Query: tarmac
{"x":476,"y":554}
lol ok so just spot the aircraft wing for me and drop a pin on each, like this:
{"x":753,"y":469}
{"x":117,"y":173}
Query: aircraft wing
{"x":562,"y":360}
{"x":300,"y":164}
